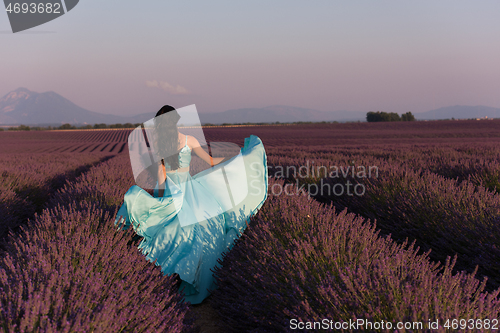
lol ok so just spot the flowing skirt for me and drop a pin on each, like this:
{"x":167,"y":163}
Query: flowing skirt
{"x":199,"y":217}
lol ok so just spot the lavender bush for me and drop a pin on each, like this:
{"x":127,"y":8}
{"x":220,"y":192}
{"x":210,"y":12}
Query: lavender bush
{"x":302,"y":260}
{"x":444,"y":197}
{"x":445,"y":215}
{"x":28,"y":180}
{"x":73,"y":271}
{"x":104,"y":186}
{"x":480,"y":164}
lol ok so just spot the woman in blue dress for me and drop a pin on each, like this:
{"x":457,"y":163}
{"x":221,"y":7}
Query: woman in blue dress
{"x":191,"y":220}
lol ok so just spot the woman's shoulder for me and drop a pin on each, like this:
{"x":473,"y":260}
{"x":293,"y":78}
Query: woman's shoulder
{"x":192,"y":141}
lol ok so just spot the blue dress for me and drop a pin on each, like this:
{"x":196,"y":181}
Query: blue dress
{"x":198,"y":217}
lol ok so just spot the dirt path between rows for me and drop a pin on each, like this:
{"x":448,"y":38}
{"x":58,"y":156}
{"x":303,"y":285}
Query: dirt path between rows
{"x":208,"y":320}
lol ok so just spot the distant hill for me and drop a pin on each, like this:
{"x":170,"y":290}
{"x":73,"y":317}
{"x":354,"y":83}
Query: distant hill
{"x":26,"y":107}
{"x":23,"y":106}
{"x":281,"y":113}
{"x":459,"y":112}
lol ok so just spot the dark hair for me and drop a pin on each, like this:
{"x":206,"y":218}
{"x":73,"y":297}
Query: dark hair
{"x":167,"y":137}
{"x":165,"y":109}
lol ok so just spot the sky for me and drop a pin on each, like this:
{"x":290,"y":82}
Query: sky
{"x":131,"y":57}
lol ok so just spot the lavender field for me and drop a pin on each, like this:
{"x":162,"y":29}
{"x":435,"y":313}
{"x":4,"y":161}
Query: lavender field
{"x":416,"y":239}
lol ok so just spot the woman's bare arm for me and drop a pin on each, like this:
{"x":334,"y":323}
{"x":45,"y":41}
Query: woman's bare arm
{"x":161,"y":179}
{"x":201,"y":153}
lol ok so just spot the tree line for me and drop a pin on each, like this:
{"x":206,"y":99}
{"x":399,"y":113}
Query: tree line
{"x":388,"y":116}
{"x":69,"y":126}
{"x":129,"y":125}
{"x":370,"y":117}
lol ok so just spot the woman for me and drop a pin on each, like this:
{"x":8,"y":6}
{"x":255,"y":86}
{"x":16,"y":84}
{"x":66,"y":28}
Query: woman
{"x":190,"y":222}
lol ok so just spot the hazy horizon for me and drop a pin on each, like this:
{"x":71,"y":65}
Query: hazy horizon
{"x":325,"y":55}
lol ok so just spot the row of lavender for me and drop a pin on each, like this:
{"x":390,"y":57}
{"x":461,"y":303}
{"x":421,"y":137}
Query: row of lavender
{"x":446,"y":198}
{"x":110,"y":142}
{"x":72,"y":271}
{"x":481,"y":162}
{"x":28,"y":180}
{"x":301,"y":262}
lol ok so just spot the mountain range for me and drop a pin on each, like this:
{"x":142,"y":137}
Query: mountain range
{"x":459,"y":112}
{"x":26,"y":107}
{"x":279,"y":113}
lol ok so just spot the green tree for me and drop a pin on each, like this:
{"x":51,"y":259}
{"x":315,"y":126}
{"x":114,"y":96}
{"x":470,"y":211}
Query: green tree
{"x":66,"y":126}
{"x":374,"y":116}
{"x":382,"y":116}
{"x":393,"y":116}
{"x":100,"y":126}
{"x":407,"y":117}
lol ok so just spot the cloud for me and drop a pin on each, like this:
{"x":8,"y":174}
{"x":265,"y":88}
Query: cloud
{"x":174,"y":90}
